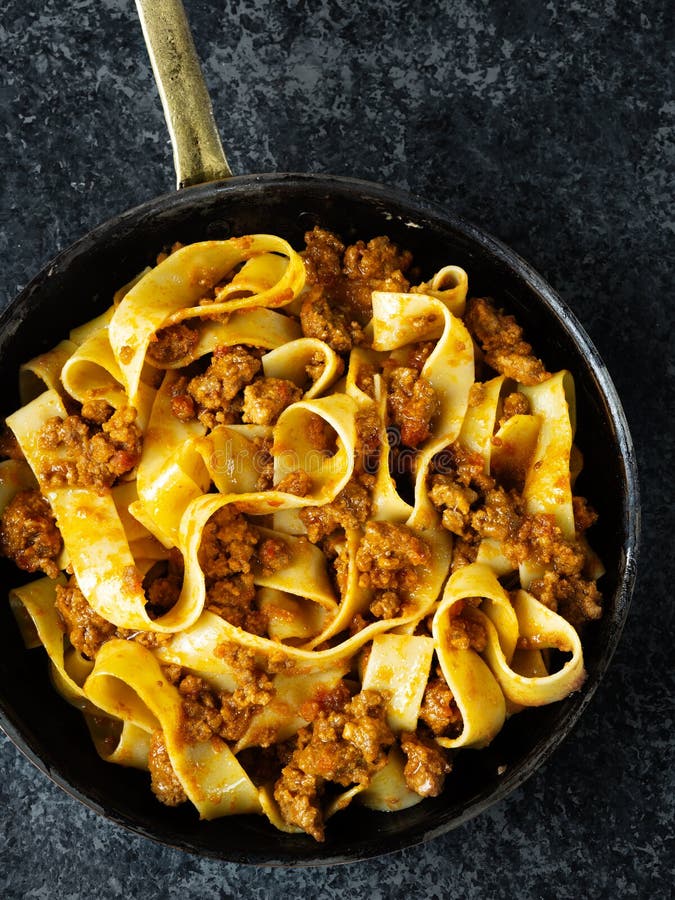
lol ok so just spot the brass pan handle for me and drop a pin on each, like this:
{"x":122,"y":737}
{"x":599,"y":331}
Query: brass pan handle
{"x":198,"y":154}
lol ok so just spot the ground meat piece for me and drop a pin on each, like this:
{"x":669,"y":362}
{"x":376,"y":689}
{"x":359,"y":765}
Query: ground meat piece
{"x":182,"y":405}
{"x":464,"y":633}
{"x":467,"y":467}
{"x":254,"y":691}
{"x":454,"y":501}
{"x":455,"y":518}
{"x":515,"y":404}
{"x":98,"y":411}
{"x":238,"y":708}
{"x":163,"y":779}
{"x":201,"y":718}
{"x":227,"y":546}
{"x":316,"y":366}
{"x":119,"y":435}
{"x":319,"y":320}
{"x":298,"y":483}
{"x":322,"y":256}
{"x":298,"y":795}
{"x":346,"y":747}
{"x":581,"y":602}
{"x":350,"y":509}
{"x":263,"y":462}
{"x":575,"y":598}
{"x":343,"y":746}
{"x":233,"y":599}
{"x":119,"y":443}
{"x":266,"y":398}
{"x":427,"y":764}
{"x":367,"y":449}
{"x":86,"y":630}
{"x":464,"y":552}
{"x":378,"y":265}
{"x":387,"y":605}
{"x":378,"y":260}
{"x":72,"y":434}
{"x":241,"y":660}
{"x":389,"y":557}
{"x":274,"y":555}
{"x":411,"y":404}
{"x":350,"y":276}
{"x":584,"y":514}
{"x":334,"y":548}
{"x":215,"y":392}
{"x":208,"y":712}
{"x":501,"y":339}
{"x":9,"y":446}
{"x":366,"y":726}
{"x":325,"y":701}
{"x":91,"y":457}
{"x":172,"y":672}
{"x":365,"y":379}
{"x":500,"y":517}
{"x":543,"y":541}
{"x":172,"y":344}
{"x":439,"y":710}
{"x":29,"y":535}
{"x":194,"y":686}
{"x":225,"y":556}
{"x":163,"y":583}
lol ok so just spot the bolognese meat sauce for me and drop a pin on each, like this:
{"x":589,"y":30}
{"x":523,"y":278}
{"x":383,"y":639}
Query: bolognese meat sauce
{"x":345,"y":739}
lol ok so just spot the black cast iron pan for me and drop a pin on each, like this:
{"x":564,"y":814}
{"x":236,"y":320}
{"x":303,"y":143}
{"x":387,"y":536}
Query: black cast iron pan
{"x":79,"y":283}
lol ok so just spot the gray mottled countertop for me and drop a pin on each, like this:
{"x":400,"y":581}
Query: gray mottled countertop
{"x":550,"y":125}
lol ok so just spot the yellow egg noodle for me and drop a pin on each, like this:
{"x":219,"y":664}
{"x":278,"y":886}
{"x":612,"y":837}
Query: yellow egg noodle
{"x":187,"y":473}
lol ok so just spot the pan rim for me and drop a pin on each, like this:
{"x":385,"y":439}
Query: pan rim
{"x":423,"y":209}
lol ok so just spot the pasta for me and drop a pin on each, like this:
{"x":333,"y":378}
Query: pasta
{"x":305,"y":528}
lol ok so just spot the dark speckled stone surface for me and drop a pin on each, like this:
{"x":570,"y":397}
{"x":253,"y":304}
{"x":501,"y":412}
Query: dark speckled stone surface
{"x":549,"y":124}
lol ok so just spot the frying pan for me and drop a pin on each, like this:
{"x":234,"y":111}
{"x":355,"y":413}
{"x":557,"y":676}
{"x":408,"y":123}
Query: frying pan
{"x":78,"y":284}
